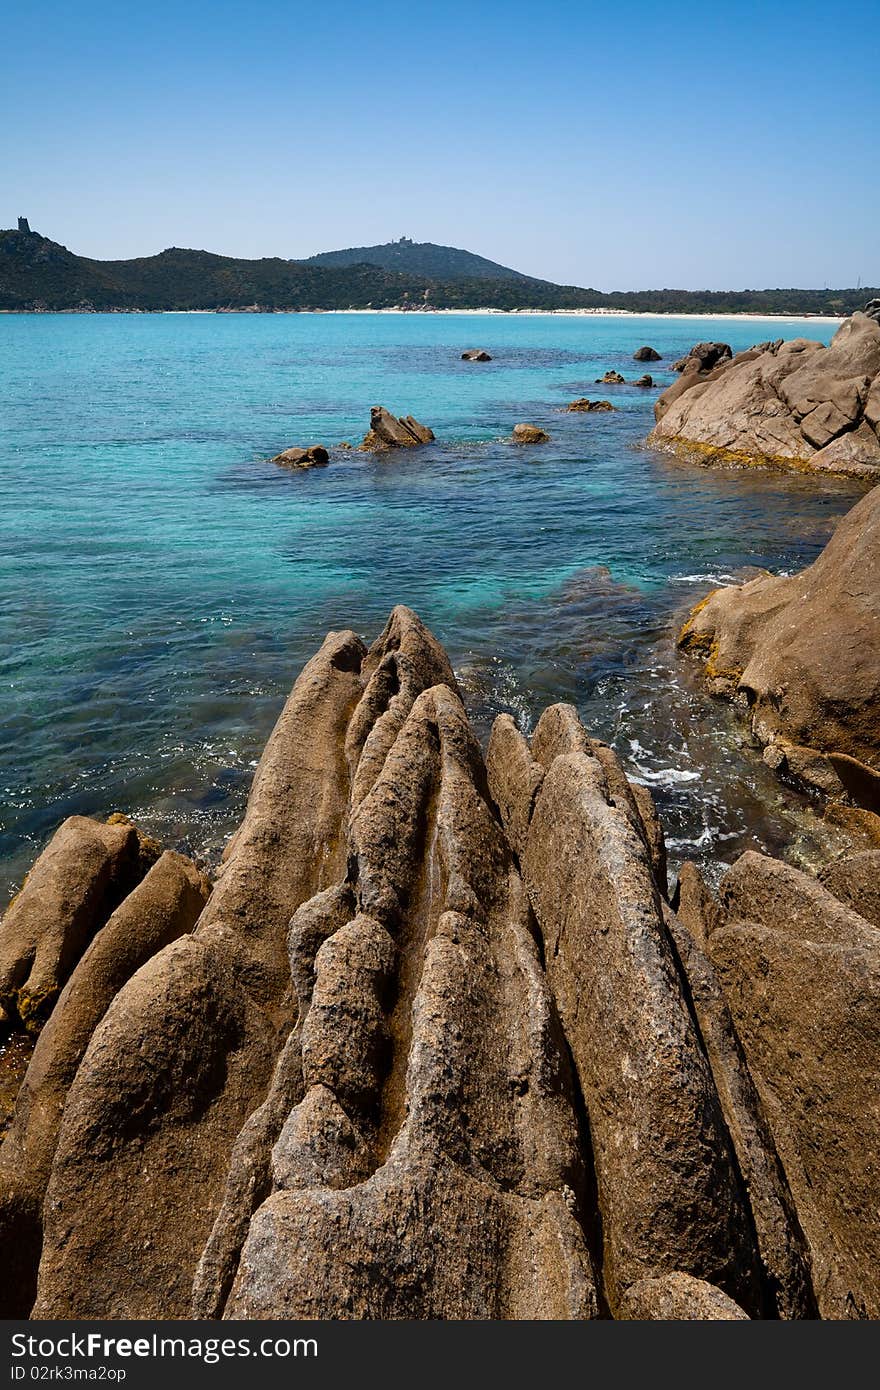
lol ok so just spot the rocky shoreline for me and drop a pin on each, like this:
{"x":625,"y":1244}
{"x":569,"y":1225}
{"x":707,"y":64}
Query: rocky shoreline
{"x":438,"y":1042}
{"x":791,"y":404}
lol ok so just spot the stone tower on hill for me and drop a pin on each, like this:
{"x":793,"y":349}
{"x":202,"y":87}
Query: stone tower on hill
{"x":23,"y":225}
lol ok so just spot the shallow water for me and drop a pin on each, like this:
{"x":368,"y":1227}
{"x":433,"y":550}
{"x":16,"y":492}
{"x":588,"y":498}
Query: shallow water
{"x":161,"y":583}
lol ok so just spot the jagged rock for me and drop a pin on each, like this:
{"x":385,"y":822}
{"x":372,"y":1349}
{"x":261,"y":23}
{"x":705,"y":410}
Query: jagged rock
{"x":647,"y":354}
{"x":388,"y":432}
{"x":529,"y":434}
{"x":315,"y":456}
{"x":439,"y":1047}
{"x":584,"y":404}
{"x":475,"y":355}
{"x":610,"y":379}
{"x":646,"y":381}
{"x":804,"y":653}
{"x":678,"y":1298}
{"x":435,"y":1079}
{"x":794,"y":403}
{"x":704,"y":356}
{"x":83,"y":874}
{"x":801,"y":976}
{"x":164,"y":906}
{"x":659,"y":1141}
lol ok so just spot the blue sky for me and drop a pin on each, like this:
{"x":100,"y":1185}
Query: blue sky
{"x":618,"y":146}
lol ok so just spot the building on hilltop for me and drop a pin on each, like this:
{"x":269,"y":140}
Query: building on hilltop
{"x":23,"y":225}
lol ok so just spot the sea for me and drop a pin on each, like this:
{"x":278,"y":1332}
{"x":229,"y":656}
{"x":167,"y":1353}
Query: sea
{"x":162,"y":582}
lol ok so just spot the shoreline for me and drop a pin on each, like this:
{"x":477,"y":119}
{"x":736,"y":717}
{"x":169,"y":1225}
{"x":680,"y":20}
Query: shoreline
{"x":454,"y":313}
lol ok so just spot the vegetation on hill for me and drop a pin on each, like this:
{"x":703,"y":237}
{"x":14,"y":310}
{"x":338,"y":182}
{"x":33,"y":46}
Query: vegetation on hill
{"x":38,"y":274}
{"x":420,"y":258}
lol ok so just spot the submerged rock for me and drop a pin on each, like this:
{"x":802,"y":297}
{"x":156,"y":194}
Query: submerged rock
{"x":796,"y":403}
{"x":388,"y":432}
{"x":647,"y":354}
{"x":529,"y":434}
{"x":583,"y":404}
{"x":802,"y":654}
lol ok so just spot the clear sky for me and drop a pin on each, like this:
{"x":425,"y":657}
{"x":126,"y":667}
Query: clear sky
{"x":620,"y":146}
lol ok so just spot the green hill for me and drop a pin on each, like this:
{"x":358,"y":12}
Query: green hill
{"x":420,"y":258}
{"x":37,"y":274}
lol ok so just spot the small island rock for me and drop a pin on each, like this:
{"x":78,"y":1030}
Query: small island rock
{"x":610,"y":379}
{"x":583,"y":404}
{"x":646,"y":354}
{"x":315,"y":456}
{"x":529,"y":434}
{"x":475,"y":355}
{"x":387,"y":431}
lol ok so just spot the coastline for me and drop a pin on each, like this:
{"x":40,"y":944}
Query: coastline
{"x":460,"y":313}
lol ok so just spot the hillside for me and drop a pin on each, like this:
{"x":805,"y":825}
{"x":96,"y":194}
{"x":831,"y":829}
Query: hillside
{"x":40,"y":275}
{"x":420,"y":258}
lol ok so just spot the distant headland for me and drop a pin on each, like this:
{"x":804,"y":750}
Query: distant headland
{"x":38,"y":275}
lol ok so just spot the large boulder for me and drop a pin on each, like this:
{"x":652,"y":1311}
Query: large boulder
{"x":647,"y":354}
{"x":796,"y":403}
{"x":388,"y":432}
{"x":802,"y":656}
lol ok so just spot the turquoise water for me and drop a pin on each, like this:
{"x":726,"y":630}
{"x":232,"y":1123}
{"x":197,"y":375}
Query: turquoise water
{"x":161,"y":582}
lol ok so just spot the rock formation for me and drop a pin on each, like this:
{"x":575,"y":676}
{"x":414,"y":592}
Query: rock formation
{"x":583,"y":404}
{"x":529,"y":434}
{"x":703,"y":357}
{"x":775,"y":645}
{"x":437,"y":1044}
{"x":315,"y":456}
{"x":647,"y":354}
{"x":475,"y":355}
{"x":645,"y":381}
{"x":388,"y":432}
{"x":796,"y":404}
{"x":610,"y":379}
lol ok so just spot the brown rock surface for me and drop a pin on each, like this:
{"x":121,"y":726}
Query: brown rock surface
{"x":661,"y":1150}
{"x":647,"y":354}
{"x":82,"y":875}
{"x":164,"y":906}
{"x":801,"y":976}
{"x":315,"y":456}
{"x":529,"y":434}
{"x":388,"y":432}
{"x":584,"y":404}
{"x":795,"y":403}
{"x":439,"y":1047}
{"x":679,"y":1298}
{"x":475,"y":355}
{"x":804,"y":653}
